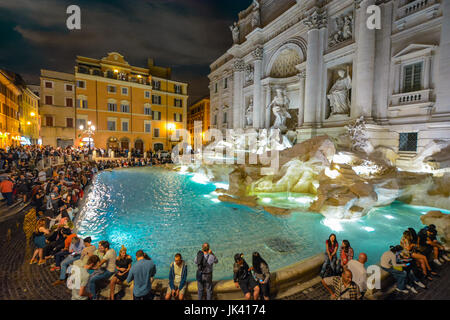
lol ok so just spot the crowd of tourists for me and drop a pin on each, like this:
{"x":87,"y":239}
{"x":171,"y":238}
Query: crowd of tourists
{"x":411,"y":263}
{"x":55,"y":188}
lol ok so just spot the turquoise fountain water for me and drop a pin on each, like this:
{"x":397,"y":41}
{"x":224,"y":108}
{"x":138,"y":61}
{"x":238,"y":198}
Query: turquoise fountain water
{"x":163,"y":212}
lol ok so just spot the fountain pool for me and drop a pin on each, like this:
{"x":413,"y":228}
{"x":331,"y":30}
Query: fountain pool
{"x":164,"y":212}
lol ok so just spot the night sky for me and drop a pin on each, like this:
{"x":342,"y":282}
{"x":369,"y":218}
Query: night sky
{"x":187,"y":35}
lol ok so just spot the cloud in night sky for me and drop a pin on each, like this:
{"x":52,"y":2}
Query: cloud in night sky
{"x":187,"y":35}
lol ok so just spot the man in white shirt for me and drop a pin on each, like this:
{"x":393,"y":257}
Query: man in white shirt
{"x":359,"y":272}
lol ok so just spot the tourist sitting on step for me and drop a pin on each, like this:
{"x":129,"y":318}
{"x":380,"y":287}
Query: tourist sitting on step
{"x":342,"y":287}
{"x":75,"y":249}
{"x":331,"y":249}
{"x":346,"y":254}
{"x":123,"y":265}
{"x":410,"y":251}
{"x":106,"y":268}
{"x":243,"y":278}
{"x":261,"y":272}
{"x":428,"y":238}
{"x":177,"y":279}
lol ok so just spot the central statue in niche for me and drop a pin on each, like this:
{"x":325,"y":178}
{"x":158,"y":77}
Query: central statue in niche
{"x":339,"y":94}
{"x":280,"y":106}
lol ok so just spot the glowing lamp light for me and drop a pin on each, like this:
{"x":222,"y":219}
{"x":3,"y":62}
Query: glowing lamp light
{"x":89,"y":123}
{"x":139,"y":76}
{"x":93,"y":128}
{"x":81,"y":127}
{"x":28,"y":122}
{"x":116,"y":71}
{"x":81,"y":144}
{"x":32,"y":114}
{"x":171,"y":126}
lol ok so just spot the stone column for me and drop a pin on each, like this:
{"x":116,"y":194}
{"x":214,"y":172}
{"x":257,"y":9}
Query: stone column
{"x":268,"y":111}
{"x":314,"y":21}
{"x":443,"y":83}
{"x":426,"y":70}
{"x":238,"y":75}
{"x":257,"y":105}
{"x":364,"y":63}
{"x":301,"y":107}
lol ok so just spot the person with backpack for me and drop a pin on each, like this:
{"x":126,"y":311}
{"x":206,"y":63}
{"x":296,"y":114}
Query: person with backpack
{"x":205,"y":260}
{"x":243,"y":278}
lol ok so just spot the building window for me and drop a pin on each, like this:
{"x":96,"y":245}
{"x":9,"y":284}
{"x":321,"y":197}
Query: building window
{"x":147,"y":111}
{"x":178,"y":102}
{"x":49,"y":121}
{"x":125,"y":108}
{"x":156,"y":85}
{"x":68,"y":87}
{"x":156,"y":99}
{"x":147,"y":94}
{"x":111,"y":125}
{"x":125,"y":126}
{"x":147,"y":127}
{"x":156,"y":133}
{"x":412,"y":77}
{"x":177,"y":117}
{"x":178,"y":88}
{"x":81,"y":84}
{"x":156,"y":115}
{"x":225,"y":83}
{"x":69,"y":122}
{"x":48,"y":85}
{"x":81,"y":122}
{"x":408,"y":141}
{"x":112,"y":107}
{"x":69,"y":102}
{"x":124,"y":91}
{"x":81,"y":103}
{"x":48,"y":100}
{"x":111,"y":89}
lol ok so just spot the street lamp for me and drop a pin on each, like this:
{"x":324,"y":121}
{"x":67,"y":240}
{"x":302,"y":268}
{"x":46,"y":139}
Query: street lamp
{"x":90,"y":131}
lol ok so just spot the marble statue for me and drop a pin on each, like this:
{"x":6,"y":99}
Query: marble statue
{"x":249,"y":114}
{"x":339,"y":94}
{"x":357,"y":133}
{"x":235,"y":32}
{"x":248,"y":73}
{"x":256,"y":18}
{"x":280,"y":105}
{"x":344,"y":26}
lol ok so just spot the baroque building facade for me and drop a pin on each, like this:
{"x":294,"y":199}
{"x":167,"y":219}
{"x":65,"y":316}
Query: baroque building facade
{"x":314,"y":66}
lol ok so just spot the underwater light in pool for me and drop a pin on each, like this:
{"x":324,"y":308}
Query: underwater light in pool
{"x":369,"y":229}
{"x":389,"y":217}
{"x":215,"y":200}
{"x":266,"y":200}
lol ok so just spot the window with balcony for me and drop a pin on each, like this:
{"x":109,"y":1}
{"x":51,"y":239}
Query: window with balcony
{"x":412,"y":77}
{"x":408,"y":141}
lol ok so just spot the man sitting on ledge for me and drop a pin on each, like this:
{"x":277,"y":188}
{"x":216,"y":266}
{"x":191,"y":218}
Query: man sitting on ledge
{"x":343,"y":287}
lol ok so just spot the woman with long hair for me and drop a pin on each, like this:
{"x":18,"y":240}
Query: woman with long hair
{"x":410,"y":251}
{"x":123,"y":265}
{"x":331,"y":246}
{"x":346,"y":253}
{"x":39,"y":241}
{"x":262,"y":274}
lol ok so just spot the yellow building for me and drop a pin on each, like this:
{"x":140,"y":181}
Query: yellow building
{"x":29,"y":115}
{"x":57,"y":108}
{"x":130,"y":107}
{"x":199,"y":111}
{"x":9,"y":115}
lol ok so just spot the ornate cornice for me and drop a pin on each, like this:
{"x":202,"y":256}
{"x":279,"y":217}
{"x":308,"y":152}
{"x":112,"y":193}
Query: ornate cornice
{"x":316,"y":20}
